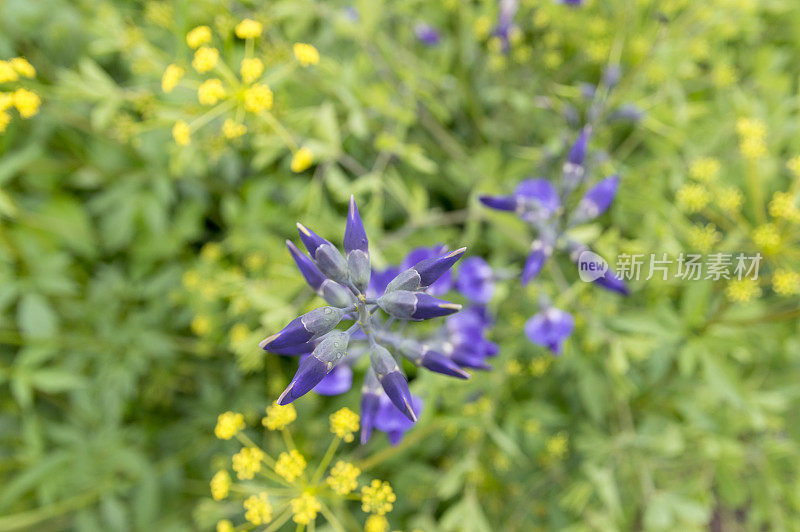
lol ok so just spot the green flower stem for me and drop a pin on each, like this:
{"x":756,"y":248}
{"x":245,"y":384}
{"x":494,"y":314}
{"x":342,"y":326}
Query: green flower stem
{"x":326,"y":460}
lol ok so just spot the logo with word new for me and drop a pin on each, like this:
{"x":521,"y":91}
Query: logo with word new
{"x":591,"y":266}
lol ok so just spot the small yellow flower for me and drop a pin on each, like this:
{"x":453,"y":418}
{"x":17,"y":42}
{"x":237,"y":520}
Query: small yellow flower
{"x":5,"y":119}
{"x":751,"y":127}
{"x":26,"y":102}
{"x":210,"y":92}
{"x":794,"y":166}
{"x":172,"y":75}
{"x":228,"y":425}
{"x":724,"y":75}
{"x":224,"y":525}
{"x":306,"y":54}
{"x":258,"y":98}
{"x":290,"y":465}
{"x":181,"y":133}
{"x":703,"y":237}
{"x":301,"y":160}
{"x":191,"y":279}
{"x":278,"y":417}
{"x":376,"y":523}
{"x":343,"y":477}
{"x":377,"y":498}
{"x":557,"y":446}
{"x":239,"y":333}
{"x":200,"y":325}
{"x":305,"y":508}
{"x":7,"y":72}
{"x":248,"y":29}
{"x":232,"y":129}
{"x":783,"y":206}
{"x":258,"y":510}
{"x":742,"y":290}
{"x":211,"y":252}
{"x":693,"y":197}
{"x":752,"y":137}
{"x":705,"y":169}
{"x":220,"y":484}
{"x":729,"y":199}
{"x":251,"y":69}
{"x":344,"y":422}
{"x":198,"y":36}
{"x":786,"y":282}
{"x":482,"y":27}
{"x":540,"y":365}
{"x":247,"y":462}
{"x":753,"y":147}
{"x":205,"y":59}
{"x":767,"y":237}
{"x":23,"y":67}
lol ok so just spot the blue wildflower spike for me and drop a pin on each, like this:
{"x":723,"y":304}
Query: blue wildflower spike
{"x":597,"y":199}
{"x":305,"y":328}
{"x":611,"y":282}
{"x":292,"y":350}
{"x":325,"y":255}
{"x":356,"y":248}
{"x":538,"y":199}
{"x":392,"y":379}
{"x":371,"y":392}
{"x":425,"y":272}
{"x":415,"y":305}
{"x":550,"y":328}
{"x":313,"y":368}
{"x":334,"y":293}
{"x":538,"y":256}
{"x":500,"y":203}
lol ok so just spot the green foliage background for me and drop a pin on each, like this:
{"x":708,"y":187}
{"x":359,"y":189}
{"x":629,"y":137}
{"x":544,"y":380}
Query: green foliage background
{"x":678,"y":407}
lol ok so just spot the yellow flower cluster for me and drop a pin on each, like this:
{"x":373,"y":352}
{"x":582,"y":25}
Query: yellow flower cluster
{"x":172,"y":75}
{"x":703,"y":237}
{"x":729,"y":199}
{"x":251,"y":69}
{"x":198,"y":37}
{"x":228,"y":424}
{"x":278,"y":417}
{"x":786,"y":282}
{"x":540,"y":365}
{"x":376,"y":523}
{"x":705,"y":169}
{"x":290,"y":465}
{"x":210,"y":91}
{"x":25,"y":101}
{"x":306,"y":54}
{"x":767,"y":237}
{"x":377,"y":498}
{"x":344,"y":422}
{"x":693,"y":197}
{"x":742,"y":290}
{"x":258,"y":98}
{"x":247,"y":462}
{"x":182,"y":133}
{"x":225,"y":525}
{"x":556,"y":446}
{"x":220,"y":484}
{"x":302,"y":159}
{"x":343,"y":477}
{"x":794,"y":166}
{"x":305,"y":508}
{"x":752,"y":137}
{"x":783,"y":206}
{"x":205,"y":59}
{"x":258,"y":510}
{"x":232,"y":129}
{"x":248,"y":29}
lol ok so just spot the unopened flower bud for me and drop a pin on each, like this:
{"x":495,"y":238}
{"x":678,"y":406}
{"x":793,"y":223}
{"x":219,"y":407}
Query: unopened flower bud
{"x":392,"y":379}
{"x":415,"y":305}
{"x":307,"y":327}
{"x":326,"y":257}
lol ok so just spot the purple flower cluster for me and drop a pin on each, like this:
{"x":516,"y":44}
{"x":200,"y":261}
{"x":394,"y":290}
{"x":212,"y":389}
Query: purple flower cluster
{"x":541,"y":204}
{"x":355,"y":294}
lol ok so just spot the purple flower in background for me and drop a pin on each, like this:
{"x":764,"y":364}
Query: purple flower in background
{"x":572,"y":2}
{"x":549,"y":328}
{"x":597,"y":199}
{"x":467,"y":344}
{"x":380,"y":279}
{"x":610,"y":281}
{"x":339,"y":380}
{"x":476,"y":280}
{"x":389,"y":420}
{"x":505,"y":22}
{"x":427,"y":34}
